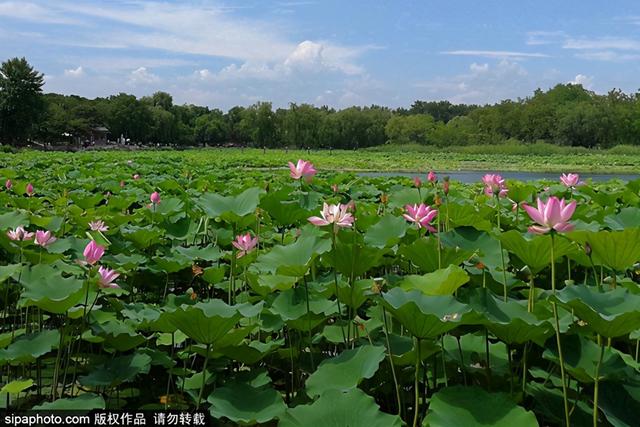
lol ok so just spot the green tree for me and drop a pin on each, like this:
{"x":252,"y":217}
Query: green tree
{"x":414,"y":129}
{"x":21,"y":104}
{"x":211,"y":128}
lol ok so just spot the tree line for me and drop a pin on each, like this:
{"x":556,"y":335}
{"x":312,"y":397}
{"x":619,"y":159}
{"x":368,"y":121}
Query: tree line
{"x":566,"y":114}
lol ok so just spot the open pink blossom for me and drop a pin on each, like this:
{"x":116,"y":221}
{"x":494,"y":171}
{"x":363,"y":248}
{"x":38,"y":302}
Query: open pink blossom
{"x":337,"y":215}
{"x":421,"y":215}
{"x":107,"y":276}
{"x":302,"y":169}
{"x":29,"y":189}
{"x":552,"y":215}
{"x":98,"y":225}
{"x":245,"y":244}
{"x":8,"y":184}
{"x":417,"y":182}
{"x":494,"y":184}
{"x":432,"y":177}
{"x":93,"y":252}
{"x":19,"y":234}
{"x":44,"y":238}
{"x":571,"y":180}
{"x":136,"y":176}
{"x":155,"y":198}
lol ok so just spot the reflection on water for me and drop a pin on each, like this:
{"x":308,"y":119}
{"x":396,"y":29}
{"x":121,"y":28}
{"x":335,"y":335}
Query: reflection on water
{"x":475,"y":176}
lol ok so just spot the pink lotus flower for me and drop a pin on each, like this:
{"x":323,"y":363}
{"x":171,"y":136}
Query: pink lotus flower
{"x":8,"y":184}
{"x":553,"y":215}
{"x":494,"y":184}
{"x":571,"y":180}
{"x":421,"y":215}
{"x":44,"y":238}
{"x":445,"y":187}
{"x":155,"y":198}
{"x":29,"y":189}
{"x":98,"y":226}
{"x":245,"y":244}
{"x":136,"y":176}
{"x":93,"y":252}
{"x":333,"y":214}
{"x":302,"y":169}
{"x":121,"y":184}
{"x":334,"y":187}
{"x":19,"y":234}
{"x":432,"y":177}
{"x":107,"y":276}
{"x":417,"y":181}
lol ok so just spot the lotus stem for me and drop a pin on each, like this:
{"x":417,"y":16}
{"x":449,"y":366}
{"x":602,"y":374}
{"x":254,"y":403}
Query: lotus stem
{"x":393,"y":369}
{"x":562,"y":373}
{"x":306,"y":291}
{"x":204,"y":377}
{"x":597,"y":383}
{"x":504,"y":269}
{"x":335,"y":282}
{"x":416,"y":384}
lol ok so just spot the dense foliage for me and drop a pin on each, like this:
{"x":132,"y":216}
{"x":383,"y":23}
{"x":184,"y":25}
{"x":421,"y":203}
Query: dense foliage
{"x":151,"y":282}
{"x":564,"y":115}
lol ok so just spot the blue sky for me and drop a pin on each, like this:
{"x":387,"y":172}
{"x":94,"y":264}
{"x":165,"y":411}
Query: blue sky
{"x":339,"y":53}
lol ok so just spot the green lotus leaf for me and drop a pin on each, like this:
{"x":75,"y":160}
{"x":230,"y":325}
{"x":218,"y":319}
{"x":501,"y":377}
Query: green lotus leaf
{"x":231,"y":208}
{"x":7,"y":271}
{"x":29,"y":347}
{"x":283,"y":211}
{"x":208,"y":322}
{"x":17,"y":386}
{"x":353,"y":260}
{"x":118,"y":370}
{"x":142,"y":237}
{"x":486,"y":247}
{"x":626,"y":218}
{"x":581,"y":357}
{"x":618,"y":250}
{"x":335,"y":408}
{"x":441,"y":282}
{"x":84,"y":402}
{"x":11,"y":220}
{"x":474,"y":407}
{"x":611,"y":314}
{"x":424,"y":254}
{"x":535,"y":251}
{"x":356,"y":294}
{"x":386,"y":232}
{"x":251,"y":353}
{"x":620,"y":403}
{"x":510,"y":321}
{"x":427,"y":316}
{"x":243,"y":403}
{"x":346,"y":370}
{"x":293,"y":259}
{"x":46,"y":288}
{"x":210,"y":253}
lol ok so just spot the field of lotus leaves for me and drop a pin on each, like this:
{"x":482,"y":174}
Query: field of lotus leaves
{"x":303,"y":297}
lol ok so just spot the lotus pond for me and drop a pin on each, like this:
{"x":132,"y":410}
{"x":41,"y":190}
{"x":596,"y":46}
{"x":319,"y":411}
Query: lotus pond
{"x":150,"y":283}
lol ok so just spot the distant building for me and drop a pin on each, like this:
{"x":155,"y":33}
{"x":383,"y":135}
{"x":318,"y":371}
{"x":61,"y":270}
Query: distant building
{"x":98,"y":135}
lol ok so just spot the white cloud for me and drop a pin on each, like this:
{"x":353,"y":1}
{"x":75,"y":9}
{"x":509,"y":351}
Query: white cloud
{"x":581,"y":79}
{"x":603,"y":43}
{"x":538,"y":38}
{"x":479,"y":68}
{"x":74,"y":72}
{"x":142,"y":76}
{"x":33,"y":12}
{"x":495,"y":54}
{"x":482,"y":84}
